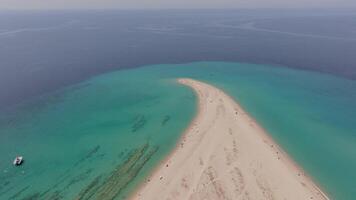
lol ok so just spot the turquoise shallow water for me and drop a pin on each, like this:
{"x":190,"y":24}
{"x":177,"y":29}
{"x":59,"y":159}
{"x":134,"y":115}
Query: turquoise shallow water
{"x":100,"y":138}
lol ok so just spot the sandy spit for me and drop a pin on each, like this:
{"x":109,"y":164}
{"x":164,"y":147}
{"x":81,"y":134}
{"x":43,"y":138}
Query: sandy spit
{"x":225,"y":154}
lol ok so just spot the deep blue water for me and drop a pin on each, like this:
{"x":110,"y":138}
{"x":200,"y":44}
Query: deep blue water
{"x":42,"y":51}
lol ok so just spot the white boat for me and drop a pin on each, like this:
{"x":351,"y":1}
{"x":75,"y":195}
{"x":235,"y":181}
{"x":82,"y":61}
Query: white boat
{"x":18,"y":160}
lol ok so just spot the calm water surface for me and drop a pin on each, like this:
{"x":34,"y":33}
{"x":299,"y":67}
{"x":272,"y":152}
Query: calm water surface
{"x":98,"y":139}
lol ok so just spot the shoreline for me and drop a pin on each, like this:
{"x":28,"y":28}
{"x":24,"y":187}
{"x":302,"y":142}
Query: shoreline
{"x":183,"y":174}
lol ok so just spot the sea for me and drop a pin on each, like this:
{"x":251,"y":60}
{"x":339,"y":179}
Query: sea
{"x":90,"y":98}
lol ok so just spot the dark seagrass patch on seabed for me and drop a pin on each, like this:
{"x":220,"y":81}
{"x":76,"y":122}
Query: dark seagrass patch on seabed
{"x":34,"y":196}
{"x":165,"y":120}
{"x":57,"y":190}
{"x":138,"y":123}
{"x":89,"y":155}
{"x":90,"y":189}
{"x":102,"y":187}
{"x":78,"y":178}
{"x":114,"y":183}
{"x":56,"y":195}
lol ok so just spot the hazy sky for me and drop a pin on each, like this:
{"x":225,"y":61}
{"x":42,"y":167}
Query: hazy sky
{"x":161,"y":4}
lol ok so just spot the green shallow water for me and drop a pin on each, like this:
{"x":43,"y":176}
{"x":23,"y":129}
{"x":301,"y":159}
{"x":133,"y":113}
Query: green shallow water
{"x":100,"y":138}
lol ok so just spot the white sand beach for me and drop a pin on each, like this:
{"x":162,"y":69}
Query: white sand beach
{"x":225,"y":154}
